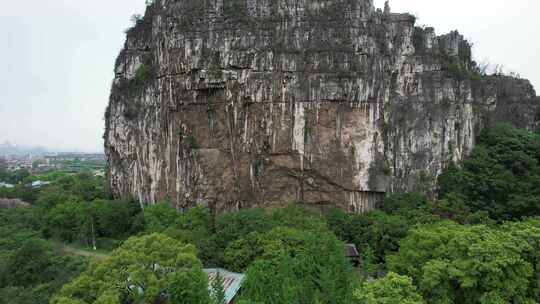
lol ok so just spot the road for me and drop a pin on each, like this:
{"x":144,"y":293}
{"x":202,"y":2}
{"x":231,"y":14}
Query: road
{"x":84,"y":252}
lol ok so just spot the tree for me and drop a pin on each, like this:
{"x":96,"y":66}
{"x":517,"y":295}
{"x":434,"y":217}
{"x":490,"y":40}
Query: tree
{"x":230,"y":227}
{"x":235,"y":226}
{"x":17,"y":176}
{"x":370,"y":263}
{"x":218,"y":290}
{"x":453,"y":207}
{"x":452,"y":263}
{"x":87,"y":221}
{"x":29,"y":264}
{"x":501,"y":176}
{"x":378,"y":231}
{"x":117,"y":219}
{"x":52,"y":196}
{"x":399,"y":202}
{"x":189,"y":287}
{"x":412,"y":207}
{"x":299,"y":267}
{"x":528,"y":232}
{"x":65,"y":221}
{"x":272,"y":282}
{"x":31,"y":270}
{"x":392,"y":289}
{"x":339,"y":222}
{"x":279,"y":241}
{"x":84,"y":186}
{"x":196,"y":218}
{"x":160,"y":217}
{"x":242,"y":252}
{"x":142,"y":270}
{"x":284,"y":241}
{"x":295,"y":216}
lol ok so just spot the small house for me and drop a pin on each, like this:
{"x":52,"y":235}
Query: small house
{"x":38,"y":184}
{"x":352,"y":254}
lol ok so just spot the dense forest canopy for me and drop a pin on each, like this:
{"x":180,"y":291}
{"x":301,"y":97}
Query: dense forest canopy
{"x":479,"y":242}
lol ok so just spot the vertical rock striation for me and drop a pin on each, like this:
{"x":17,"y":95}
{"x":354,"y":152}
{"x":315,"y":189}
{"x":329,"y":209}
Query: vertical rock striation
{"x":234,"y":103}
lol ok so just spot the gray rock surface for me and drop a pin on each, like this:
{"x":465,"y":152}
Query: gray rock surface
{"x":235,"y":103}
{"x":8,"y":203}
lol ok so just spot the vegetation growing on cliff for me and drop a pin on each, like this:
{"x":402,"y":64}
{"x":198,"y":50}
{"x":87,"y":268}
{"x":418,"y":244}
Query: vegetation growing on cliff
{"x":501,"y":177}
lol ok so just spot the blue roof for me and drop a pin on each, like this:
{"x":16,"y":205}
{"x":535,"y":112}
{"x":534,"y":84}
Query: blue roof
{"x":231,"y":281}
{"x":39,"y":183}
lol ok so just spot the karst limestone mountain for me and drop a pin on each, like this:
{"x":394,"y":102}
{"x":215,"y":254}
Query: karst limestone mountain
{"x":235,"y":103}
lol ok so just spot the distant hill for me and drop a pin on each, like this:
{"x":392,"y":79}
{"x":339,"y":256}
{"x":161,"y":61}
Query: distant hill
{"x":9,"y":149}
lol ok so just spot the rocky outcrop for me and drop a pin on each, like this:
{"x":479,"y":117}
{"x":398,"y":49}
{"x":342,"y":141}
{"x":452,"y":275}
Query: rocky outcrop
{"x":234,"y":103}
{"x":8,"y":203}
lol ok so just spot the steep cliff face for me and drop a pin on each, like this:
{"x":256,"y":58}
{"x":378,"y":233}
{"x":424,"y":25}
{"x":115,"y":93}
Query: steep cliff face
{"x":233,"y":103}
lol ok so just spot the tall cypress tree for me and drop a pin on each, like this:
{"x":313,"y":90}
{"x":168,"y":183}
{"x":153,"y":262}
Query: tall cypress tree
{"x":218,"y":290}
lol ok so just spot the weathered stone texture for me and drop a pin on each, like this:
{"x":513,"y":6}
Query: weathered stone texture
{"x":8,"y":203}
{"x":234,"y":103}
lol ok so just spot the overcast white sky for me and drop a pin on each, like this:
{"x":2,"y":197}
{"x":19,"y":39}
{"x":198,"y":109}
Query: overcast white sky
{"x":57,"y":57}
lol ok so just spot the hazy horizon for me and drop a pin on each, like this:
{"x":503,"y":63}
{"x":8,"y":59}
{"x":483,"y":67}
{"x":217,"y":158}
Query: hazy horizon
{"x":58,"y":58}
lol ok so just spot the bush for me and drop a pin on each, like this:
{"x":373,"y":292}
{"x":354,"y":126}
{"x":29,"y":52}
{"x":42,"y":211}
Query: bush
{"x":392,"y":289}
{"x":143,"y":74}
